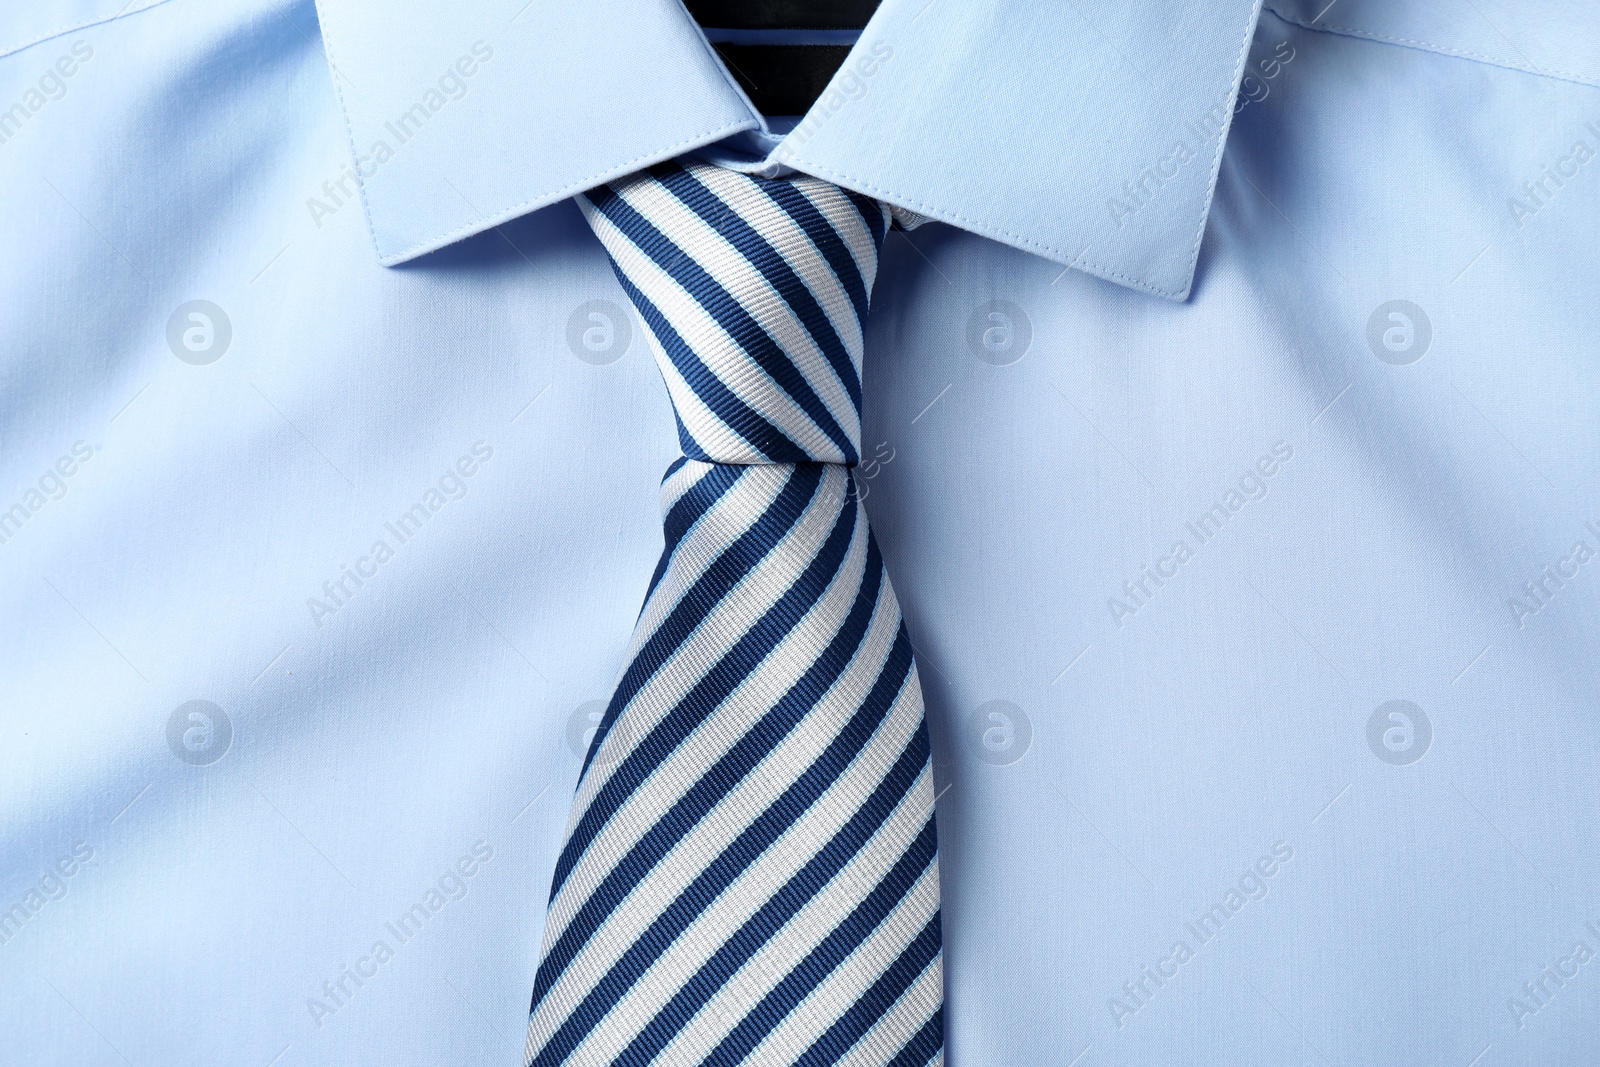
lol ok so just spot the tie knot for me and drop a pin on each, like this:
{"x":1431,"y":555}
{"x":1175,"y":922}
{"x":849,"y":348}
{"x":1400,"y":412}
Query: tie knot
{"x":754,"y":292}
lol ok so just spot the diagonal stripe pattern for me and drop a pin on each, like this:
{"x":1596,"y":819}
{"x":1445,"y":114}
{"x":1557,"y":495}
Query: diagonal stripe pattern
{"x":750,"y":871}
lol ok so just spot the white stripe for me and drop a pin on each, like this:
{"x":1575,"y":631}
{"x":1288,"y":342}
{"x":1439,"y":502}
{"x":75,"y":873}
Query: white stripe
{"x":744,"y":282}
{"x":851,"y":227}
{"x":721,"y":354}
{"x":853,"y":684}
{"x":730,"y":518}
{"x":716,"y":437}
{"x":832,"y":904}
{"x":712,"y":835}
{"x":769,"y":873}
{"x":740,"y":508}
{"x":736,"y":273}
{"x":836,"y":993}
{"x":682,"y":480}
{"x":807,"y":260}
{"x":742,"y":608}
{"x":725,"y":360}
{"x":900,"y":1023}
{"x":739,"y":606}
{"x":703,"y":747}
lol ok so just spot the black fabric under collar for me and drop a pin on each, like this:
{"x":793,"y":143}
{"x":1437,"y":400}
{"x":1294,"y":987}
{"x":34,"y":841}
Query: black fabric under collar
{"x":781,"y":78}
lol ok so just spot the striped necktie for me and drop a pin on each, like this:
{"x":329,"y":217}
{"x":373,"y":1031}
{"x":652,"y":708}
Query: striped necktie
{"x":750,"y":872}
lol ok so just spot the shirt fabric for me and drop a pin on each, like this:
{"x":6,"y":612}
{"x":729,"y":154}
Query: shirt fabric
{"x":1231,"y":434}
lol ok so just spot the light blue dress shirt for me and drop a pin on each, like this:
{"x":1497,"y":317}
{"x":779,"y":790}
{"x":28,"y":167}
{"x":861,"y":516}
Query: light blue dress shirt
{"x":1233,"y":440}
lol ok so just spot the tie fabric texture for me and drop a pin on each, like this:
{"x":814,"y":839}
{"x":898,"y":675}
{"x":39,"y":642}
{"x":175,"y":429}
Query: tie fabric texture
{"x":750,"y":870}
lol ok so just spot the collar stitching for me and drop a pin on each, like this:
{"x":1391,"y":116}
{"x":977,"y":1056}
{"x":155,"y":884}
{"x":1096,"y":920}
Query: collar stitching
{"x":349,"y":129}
{"x":1222,"y":142}
{"x":77,"y":27}
{"x":1424,"y":46}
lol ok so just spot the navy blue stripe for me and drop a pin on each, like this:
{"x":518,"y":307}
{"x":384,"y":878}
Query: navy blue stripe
{"x":698,"y":499}
{"x":719,"y":874}
{"x":684,"y":513}
{"x":698,"y":601}
{"x":721,"y":217}
{"x":674,"y":467}
{"x":827,"y":239}
{"x":732,"y":861}
{"x":778,"y":910}
{"x":849,"y":734}
{"x":696,"y":706}
{"x":857,"y":1019}
{"x":763,"y":435}
{"x":829,"y":953}
{"x":724,"y":309}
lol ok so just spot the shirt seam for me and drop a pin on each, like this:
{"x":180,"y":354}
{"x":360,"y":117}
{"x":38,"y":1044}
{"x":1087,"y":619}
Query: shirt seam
{"x":78,"y":27}
{"x":1425,"y":46}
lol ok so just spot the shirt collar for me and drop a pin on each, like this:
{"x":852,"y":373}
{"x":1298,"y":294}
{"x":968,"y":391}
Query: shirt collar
{"x":1087,"y":134}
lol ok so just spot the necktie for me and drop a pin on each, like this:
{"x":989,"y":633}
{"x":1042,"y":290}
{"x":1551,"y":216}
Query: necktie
{"x":750,"y":872}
